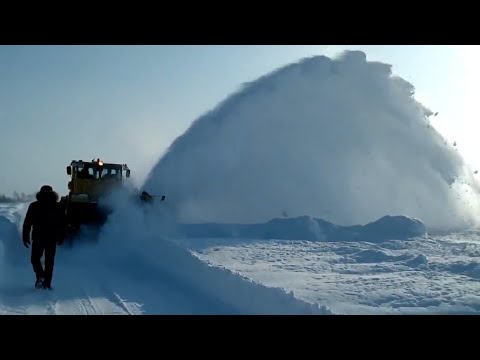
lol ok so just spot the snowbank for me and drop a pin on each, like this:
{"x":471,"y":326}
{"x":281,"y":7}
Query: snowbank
{"x":130,"y":240}
{"x":13,"y":212}
{"x":392,"y":227}
{"x":8,"y":236}
{"x":11,"y":220}
{"x":338,"y":139}
{"x":11,"y":246}
{"x":131,"y":249}
{"x":308,"y":228}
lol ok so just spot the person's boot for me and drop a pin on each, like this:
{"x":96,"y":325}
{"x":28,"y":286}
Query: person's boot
{"x":39,"y":283}
{"x":47,"y":286}
{"x":47,"y":283}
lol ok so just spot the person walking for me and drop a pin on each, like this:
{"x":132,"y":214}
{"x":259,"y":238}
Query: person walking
{"x":45,"y":224}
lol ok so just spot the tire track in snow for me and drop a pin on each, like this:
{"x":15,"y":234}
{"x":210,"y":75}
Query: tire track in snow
{"x":129,"y":308}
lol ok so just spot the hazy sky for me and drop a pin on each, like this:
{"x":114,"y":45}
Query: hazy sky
{"x":128,"y":103}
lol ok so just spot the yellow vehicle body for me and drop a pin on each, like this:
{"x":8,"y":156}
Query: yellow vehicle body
{"x":91,"y":189}
{"x":90,"y":181}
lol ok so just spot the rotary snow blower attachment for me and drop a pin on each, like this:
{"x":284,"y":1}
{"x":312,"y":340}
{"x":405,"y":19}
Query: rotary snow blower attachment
{"x":146,"y":197}
{"x":90,"y":182}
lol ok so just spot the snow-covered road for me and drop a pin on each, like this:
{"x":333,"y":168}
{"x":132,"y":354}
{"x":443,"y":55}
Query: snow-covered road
{"x":131,"y":276}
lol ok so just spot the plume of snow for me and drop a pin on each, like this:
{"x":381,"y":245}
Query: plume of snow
{"x":340,"y":139}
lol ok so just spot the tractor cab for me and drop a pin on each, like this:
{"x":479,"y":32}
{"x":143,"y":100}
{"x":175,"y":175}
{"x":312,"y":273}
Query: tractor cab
{"x":92,"y":179}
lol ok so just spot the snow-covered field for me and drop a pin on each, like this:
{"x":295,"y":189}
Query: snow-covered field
{"x":431,"y":274}
{"x":427,"y":275}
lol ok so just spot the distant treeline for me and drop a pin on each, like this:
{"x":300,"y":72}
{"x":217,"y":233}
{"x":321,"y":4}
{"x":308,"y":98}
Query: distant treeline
{"x":16,"y":198}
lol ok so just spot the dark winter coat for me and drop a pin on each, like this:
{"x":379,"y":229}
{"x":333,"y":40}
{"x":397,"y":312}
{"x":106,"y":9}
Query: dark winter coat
{"x":45,"y":219}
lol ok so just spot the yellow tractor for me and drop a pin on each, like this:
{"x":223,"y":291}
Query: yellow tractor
{"x":90,"y":180}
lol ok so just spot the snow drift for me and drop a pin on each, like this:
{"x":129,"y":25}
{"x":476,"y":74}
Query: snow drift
{"x":10,"y":241}
{"x":11,"y":220}
{"x":8,"y":237}
{"x":131,"y":238}
{"x":134,"y":261}
{"x":307,"y":228}
{"x":339,"y":139}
